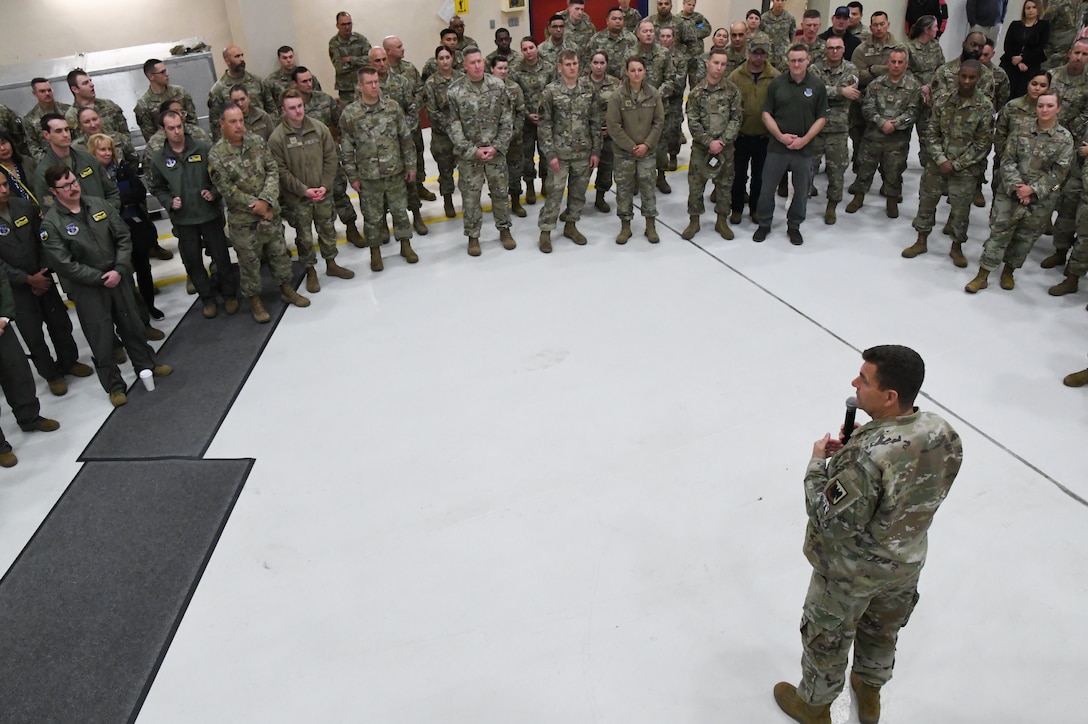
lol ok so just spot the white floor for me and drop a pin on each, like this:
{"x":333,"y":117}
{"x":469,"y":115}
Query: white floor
{"x":567,"y":488}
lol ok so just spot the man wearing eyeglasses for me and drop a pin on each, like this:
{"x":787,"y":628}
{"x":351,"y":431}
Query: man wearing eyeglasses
{"x":841,"y":78}
{"x":158,"y":92}
{"x":548,"y":51}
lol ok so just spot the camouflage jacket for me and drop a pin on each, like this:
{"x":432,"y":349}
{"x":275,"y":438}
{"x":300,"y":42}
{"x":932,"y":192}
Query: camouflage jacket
{"x":533,"y":79}
{"x":780,"y":29}
{"x":714,"y":113}
{"x":400,"y":89}
{"x":870,"y":507}
{"x":431,"y":66}
{"x":815,"y":53}
{"x":375,"y":141}
{"x":1073,"y":92}
{"x":900,"y":103}
{"x":1039,"y":158}
{"x":260,"y":123}
{"x":836,"y":79}
{"x":960,"y":130}
{"x":13,"y":124}
{"x":700,"y":25}
{"x":410,"y":73}
{"x":570,"y":121}
{"x":945,"y":82}
{"x":1016,"y":112}
{"x":631,"y":18}
{"x":480,"y":115}
{"x":1002,"y":86}
{"x":660,"y":70}
{"x":326,"y":109}
{"x":356,"y":48}
{"x":1064,"y":18}
{"x":549,"y":53}
{"x":578,"y":34}
{"x":871,"y":59}
{"x":516,"y":97}
{"x":113,"y":118}
{"x":923,"y":59}
{"x":512,"y":59}
{"x":276,"y":82}
{"x":616,"y":47}
{"x":220,"y":94}
{"x":687,"y":42}
{"x":605,"y":89}
{"x":32,"y":125}
{"x":147,"y":108}
{"x":436,"y":94}
{"x":244,"y":174}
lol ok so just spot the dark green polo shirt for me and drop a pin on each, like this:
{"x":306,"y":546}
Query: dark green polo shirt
{"x":795,"y":107}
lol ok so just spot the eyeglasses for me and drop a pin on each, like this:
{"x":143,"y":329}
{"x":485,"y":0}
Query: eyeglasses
{"x":67,"y":186}
{"x":836,"y":48}
{"x":559,"y":25}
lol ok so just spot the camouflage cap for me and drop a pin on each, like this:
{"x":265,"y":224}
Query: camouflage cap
{"x":759,"y":41}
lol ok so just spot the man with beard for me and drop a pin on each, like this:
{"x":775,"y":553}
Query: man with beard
{"x":236,"y":74}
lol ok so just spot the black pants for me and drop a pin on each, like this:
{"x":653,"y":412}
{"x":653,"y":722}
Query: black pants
{"x":17,"y":383}
{"x":209,"y":236}
{"x":749,"y":150}
{"x":37,"y":313}
{"x":104,"y":314}
{"x":144,"y":238}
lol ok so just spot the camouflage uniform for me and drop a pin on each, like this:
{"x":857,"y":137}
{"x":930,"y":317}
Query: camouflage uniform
{"x":617,"y":47}
{"x":1073,"y":92}
{"x":376,"y":150}
{"x":436,"y":94}
{"x":945,"y":82}
{"x":431,"y":66}
{"x":306,"y":158}
{"x":357,"y":49}
{"x":780,"y":29}
{"x":605,"y":89}
{"x":147,"y":108}
{"x":672,"y":136}
{"x":579,"y":34}
{"x":871,"y":60}
{"x":549,"y":53}
{"x":960,"y":131}
{"x":32,"y":126}
{"x":512,"y":58}
{"x":696,"y":64}
{"x":1002,"y":86}
{"x":480,"y":115}
{"x":635,"y":118}
{"x":10,"y":122}
{"x":219,"y":95}
{"x":661,"y":73}
{"x":570,"y":131}
{"x":714,"y":114}
{"x":631,"y":18}
{"x":869,"y":510}
{"x":245,"y":174}
{"x":259,"y":123}
{"x":883,"y":101}
{"x":276,"y":82}
{"x":514,"y":160}
{"x":1041,"y":159}
{"x":113,"y":118}
{"x":1015,"y":112}
{"x":687,"y":42}
{"x":815,"y":52}
{"x":1064,"y":17}
{"x":409,"y":73}
{"x":831,"y":141}
{"x":532,"y":79}
{"x":1078,"y":256}
{"x":923,"y":59}
{"x":401,"y":90}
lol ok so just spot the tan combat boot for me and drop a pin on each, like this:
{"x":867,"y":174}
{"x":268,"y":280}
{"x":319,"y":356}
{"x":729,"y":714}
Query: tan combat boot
{"x":376,"y":259}
{"x":332,"y":269}
{"x":417,"y":223}
{"x":1068,"y":286}
{"x":785,"y":695}
{"x":507,"y":240}
{"x":979,"y":283}
{"x":692,"y":228}
{"x":920,"y":246}
{"x":651,"y":230}
{"x":424,"y":193}
{"x":260,"y":315}
{"x":855,"y":203}
{"x":722,"y":227}
{"x":601,"y":204}
{"x":1055,"y":259}
{"x":891,"y":208}
{"x":868,"y":698}
{"x":947,"y":230}
{"x":957,"y":255}
{"x":473,"y":246}
{"x":289,"y":296}
{"x":663,"y":184}
{"x":830,"y":217}
{"x":979,"y":200}
{"x":516,"y":208}
{"x":230,"y":305}
{"x":355,"y":238}
{"x":313,"y":286}
{"x":1007,"y":282}
{"x":625,"y":231}
{"x":530,"y":191}
{"x":571,"y":232}
{"x":447,"y":206}
{"x":408,"y":252}
{"x":1077,"y":379}
{"x":545,"y":243}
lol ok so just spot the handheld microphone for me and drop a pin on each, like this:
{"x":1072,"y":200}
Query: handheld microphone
{"x":848,"y":424}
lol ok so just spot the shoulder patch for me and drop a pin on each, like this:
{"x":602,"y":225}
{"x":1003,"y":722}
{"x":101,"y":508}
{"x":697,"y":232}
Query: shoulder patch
{"x":195,"y":158}
{"x":835,"y":492}
{"x":86,"y":172}
{"x":72,"y":229}
{"x":43,"y":235}
{"x":21,"y":221}
{"x":99,"y":216}
{"x":4,"y":229}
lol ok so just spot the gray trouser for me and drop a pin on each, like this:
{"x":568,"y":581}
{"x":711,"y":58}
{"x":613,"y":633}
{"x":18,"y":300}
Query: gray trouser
{"x":776,"y":165}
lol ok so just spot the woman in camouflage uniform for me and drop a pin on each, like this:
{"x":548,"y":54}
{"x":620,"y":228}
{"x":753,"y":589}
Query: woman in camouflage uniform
{"x":606,"y":85}
{"x":435,"y":91}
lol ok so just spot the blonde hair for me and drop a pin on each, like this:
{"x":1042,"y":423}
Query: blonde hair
{"x":98,"y":140}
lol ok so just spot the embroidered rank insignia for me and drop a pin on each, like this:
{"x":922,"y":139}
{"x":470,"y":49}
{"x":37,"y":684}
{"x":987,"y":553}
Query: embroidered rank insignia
{"x":195,"y":158}
{"x":835,"y":492}
{"x":21,"y":222}
{"x":4,"y":230}
{"x":43,"y":235}
{"x":99,"y":216}
{"x":171,"y":162}
{"x":72,"y":229}
{"x":86,"y":172}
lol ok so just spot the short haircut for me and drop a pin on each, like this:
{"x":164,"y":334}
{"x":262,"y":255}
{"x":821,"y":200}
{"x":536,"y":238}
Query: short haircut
{"x":290,"y":93}
{"x":368,"y":70}
{"x":855,"y":4}
{"x":38,"y":80}
{"x":495,"y":60}
{"x":877,"y":14}
{"x":55,"y":173}
{"x":555,"y":17}
{"x":284,"y":49}
{"x":567,"y":54}
{"x":990,"y":43}
{"x":73,"y":77}
{"x":170,"y":114}
{"x":471,"y":50}
{"x":500,"y":31}
{"x":299,"y":70}
{"x":238,"y":87}
{"x":342,"y":14}
{"x":446,"y":31}
{"x":972,"y":64}
{"x":899,"y":49}
{"x":229,"y":105}
{"x":575,"y":2}
{"x":809,"y":14}
{"x":48,"y":117}
{"x":613,"y":9}
{"x":165,"y":105}
{"x":898,"y":368}
{"x":797,"y":47}
{"x":717,"y":51}
{"x":149,"y":66}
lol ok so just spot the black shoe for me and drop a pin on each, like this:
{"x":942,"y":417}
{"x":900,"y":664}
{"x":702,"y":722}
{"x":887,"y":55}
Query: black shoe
{"x":761,"y":234}
{"x":155,"y":313}
{"x":795,"y":236}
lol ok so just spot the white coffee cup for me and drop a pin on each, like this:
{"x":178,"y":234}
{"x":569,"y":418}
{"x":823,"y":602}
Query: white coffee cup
{"x":148,"y":378}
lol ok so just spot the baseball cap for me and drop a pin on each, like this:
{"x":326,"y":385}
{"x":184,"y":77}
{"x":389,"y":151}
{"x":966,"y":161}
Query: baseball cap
{"x":841,"y":12}
{"x":759,"y":42}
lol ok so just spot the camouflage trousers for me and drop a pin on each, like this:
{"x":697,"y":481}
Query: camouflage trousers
{"x":857,"y":130}
{"x":421,"y":164}
{"x":344,"y":210}
{"x":1069,"y":201}
{"x":672,"y":134}
{"x":836,"y":616}
{"x":832,"y":146}
{"x":442,"y":152}
{"x":376,"y":197}
{"x":254,"y":241}
{"x":890,"y":156}
{"x":1078,"y":254}
{"x":960,"y":187}
{"x":574,"y":175}
{"x":919,"y":126}
{"x":514,"y":162}
{"x":303,"y":218}
{"x":699,"y":172}
{"x":1014,"y":229}
{"x":529,"y":146}
{"x":471,"y":177}
{"x":603,"y":181}
{"x":634,"y":172}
